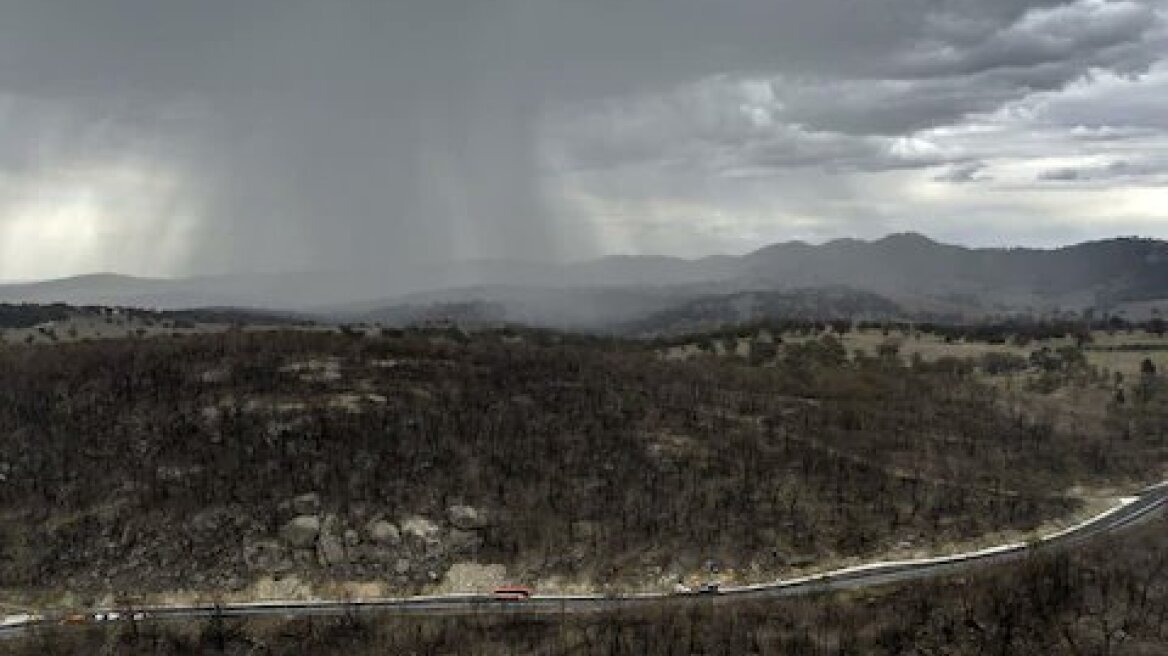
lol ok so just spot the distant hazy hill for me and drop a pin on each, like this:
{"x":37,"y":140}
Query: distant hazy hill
{"x":1093,"y":274}
{"x":265,"y":291}
{"x":571,"y":308}
{"x":709,"y":312}
{"x":910,"y":270}
{"x":899,"y":275}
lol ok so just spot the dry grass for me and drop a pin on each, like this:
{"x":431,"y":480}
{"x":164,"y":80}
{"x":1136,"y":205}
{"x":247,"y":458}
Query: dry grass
{"x":1098,"y":353}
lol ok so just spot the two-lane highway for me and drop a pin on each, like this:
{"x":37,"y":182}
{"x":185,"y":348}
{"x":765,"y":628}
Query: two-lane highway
{"x":1132,"y":512}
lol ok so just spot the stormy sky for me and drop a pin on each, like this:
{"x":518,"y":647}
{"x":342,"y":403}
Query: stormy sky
{"x":175,"y":138}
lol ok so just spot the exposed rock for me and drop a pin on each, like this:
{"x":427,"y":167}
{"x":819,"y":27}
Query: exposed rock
{"x":330,"y":524}
{"x":463,"y":541}
{"x":742,"y":348}
{"x":384,"y":533}
{"x":306,"y":504}
{"x":466,"y":518}
{"x":304,"y":558}
{"x":315,"y":371}
{"x":352,"y":538}
{"x":372,"y":553}
{"x":330,"y":550}
{"x":265,"y":556}
{"x":210,"y":520}
{"x":473,"y":577}
{"x":301,"y":532}
{"x":421,"y":530}
{"x":402,"y":566}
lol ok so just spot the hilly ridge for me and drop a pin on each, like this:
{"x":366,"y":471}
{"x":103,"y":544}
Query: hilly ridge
{"x":908,"y":269}
{"x":1099,"y":273}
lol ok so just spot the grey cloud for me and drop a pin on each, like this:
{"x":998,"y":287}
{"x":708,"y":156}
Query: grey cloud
{"x":1084,"y":32}
{"x":1094,"y":106}
{"x":373,"y":134}
{"x":963,"y":173}
{"x":367,"y":133}
{"x":843,"y":153}
{"x":1107,"y":133}
{"x":1062,"y":175}
{"x":1112,"y":171}
{"x":891,"y":107}
{"x":747,"y":127}
{"x":829,"y":121}
{"x":378,"y":133}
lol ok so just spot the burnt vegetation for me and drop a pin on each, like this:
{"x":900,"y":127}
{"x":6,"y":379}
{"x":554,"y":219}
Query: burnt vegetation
{"x":25,"y":315}
{"x":153,"y":465}
{"x":1110,"y":600}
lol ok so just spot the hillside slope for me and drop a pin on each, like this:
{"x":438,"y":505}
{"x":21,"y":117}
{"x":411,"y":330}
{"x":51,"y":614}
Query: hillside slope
{"x":212,"y":462}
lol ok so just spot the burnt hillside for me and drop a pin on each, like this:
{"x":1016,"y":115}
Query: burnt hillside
{"x":208,"y":461}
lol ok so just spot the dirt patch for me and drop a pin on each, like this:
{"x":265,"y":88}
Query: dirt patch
{"x":473,"y":577}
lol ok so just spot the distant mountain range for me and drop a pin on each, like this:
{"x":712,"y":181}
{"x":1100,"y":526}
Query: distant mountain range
{"x":908,"y":271}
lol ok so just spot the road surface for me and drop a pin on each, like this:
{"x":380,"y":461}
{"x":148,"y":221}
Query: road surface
{"x":1133,"y":511}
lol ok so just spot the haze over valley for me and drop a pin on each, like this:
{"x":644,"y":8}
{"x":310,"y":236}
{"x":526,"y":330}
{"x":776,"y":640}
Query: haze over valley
{"x":904,"y":276}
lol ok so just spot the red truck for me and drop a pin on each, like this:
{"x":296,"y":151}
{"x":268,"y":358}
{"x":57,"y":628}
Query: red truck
{"x":513,"y":593}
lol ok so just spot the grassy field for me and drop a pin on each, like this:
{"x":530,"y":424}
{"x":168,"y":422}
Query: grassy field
{"x":1121,"y":352}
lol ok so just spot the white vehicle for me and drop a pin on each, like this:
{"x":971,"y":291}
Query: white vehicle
{"x":22,"y":618}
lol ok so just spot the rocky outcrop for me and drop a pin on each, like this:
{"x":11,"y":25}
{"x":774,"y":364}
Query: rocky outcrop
{"x":210,"y":521}
{"x":473,"y":577}
{"x":238,"y":547}
{"x":330,"y":546}
{"x":352,"y":538}
{"x":330,"y":550}
{"x":306,"y":504}
{"x":231,"y":547}
{"x":266,"y":556}
{"x":301,"y":532}
{"x":467,"y":518}
{"x":421,"y":531}
{"x":383,"y":533}
{"x":463,"y":542}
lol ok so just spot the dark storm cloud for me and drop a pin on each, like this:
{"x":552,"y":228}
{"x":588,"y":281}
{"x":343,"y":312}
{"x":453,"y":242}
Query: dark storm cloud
{"x":359,"y":134}
{"x":376,"y":134}
{"x":1060,"y":36}
{"x":960,"y":59}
